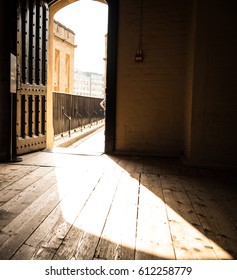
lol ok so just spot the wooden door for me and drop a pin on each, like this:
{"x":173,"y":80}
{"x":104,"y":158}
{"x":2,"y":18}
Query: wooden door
{"x":32,"y":38}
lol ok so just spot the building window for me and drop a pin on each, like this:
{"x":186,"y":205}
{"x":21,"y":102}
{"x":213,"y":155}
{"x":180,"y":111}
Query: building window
{"x":67,"y":86}
{"x":57,"y":70}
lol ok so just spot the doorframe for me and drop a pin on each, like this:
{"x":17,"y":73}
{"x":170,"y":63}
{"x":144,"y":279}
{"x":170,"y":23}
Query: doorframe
{"x":111,"y":77}
{"x":111,"y":73}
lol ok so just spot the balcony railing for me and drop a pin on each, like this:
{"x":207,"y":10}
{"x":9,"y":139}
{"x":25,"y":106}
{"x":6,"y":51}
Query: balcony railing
{"x":72,"y":112}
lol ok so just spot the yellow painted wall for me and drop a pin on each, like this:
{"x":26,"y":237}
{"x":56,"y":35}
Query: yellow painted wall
{"x":50,"y":86}
{"x":64,"y":44}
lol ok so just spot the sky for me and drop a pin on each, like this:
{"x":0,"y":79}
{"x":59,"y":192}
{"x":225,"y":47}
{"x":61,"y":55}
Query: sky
{"x":88,"y":19}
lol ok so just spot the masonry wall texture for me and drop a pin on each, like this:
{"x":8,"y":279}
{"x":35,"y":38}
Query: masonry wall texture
{"x":150,"y":97}
{"x":64,"y":44}
{"x":181,"y":100}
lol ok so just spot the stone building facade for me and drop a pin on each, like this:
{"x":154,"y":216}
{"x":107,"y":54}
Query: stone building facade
{"x":88,"y":84}
{"x":64,"y":45}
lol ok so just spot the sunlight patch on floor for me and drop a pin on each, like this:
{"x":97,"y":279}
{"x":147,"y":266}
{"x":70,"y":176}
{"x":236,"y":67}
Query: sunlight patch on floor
{"x":158,"y":229}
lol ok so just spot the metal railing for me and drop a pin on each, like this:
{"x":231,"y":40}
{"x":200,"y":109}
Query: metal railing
{"x":72,"y":112}
{"x":69,"y":121}
{"x":80,"y":118}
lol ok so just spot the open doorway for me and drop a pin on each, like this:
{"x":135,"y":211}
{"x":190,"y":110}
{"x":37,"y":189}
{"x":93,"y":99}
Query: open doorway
{"x":35,"y":67}
{"x":79,"y":76}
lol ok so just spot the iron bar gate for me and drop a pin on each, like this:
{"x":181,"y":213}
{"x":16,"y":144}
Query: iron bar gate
{"x":32,"y":39}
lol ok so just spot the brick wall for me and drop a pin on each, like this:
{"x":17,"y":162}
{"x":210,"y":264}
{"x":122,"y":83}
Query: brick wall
{"x":181,"y":99}
{"x":150,"y":93}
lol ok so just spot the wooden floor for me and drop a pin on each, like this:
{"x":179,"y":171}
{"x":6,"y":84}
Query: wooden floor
{"x":66,"y":204}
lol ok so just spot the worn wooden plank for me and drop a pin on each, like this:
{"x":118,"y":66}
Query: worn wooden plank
{"x":31,"y":246}
{"x":23,"y":183}
{"x":83,"y":237}
{"x":217,"y":228}
{"x":46,"y":249}
{"x":227,"y":201}
{"x":224,"y":190}
{"x":118,"y":238}
{"x":37,"y":159}
{"x":62,"y":159}
{"x":6,"y":167}
{"x":213,"y":217}
{"x":188,"y":235}
{"x":123,"y":163}
{"x":24,"y":253}
{"x":24,"y":197}
{"x":188,"y":241}
{"x":10,"y":173}
{"x":59,"y":223}
{"x":170,"y":166}
{"x":131,"y":165}
{"x":135,"y":165}
{"x":151,"y":165}
{"x":51,"y":232}
{"x":153,"y":233}
{"x":15,"y":233}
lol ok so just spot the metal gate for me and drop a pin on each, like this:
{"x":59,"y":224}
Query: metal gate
{"x":32,"y":38}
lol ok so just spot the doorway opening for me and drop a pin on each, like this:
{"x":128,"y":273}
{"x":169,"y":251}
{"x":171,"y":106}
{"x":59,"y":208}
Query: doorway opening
{"x":79,"y":59}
